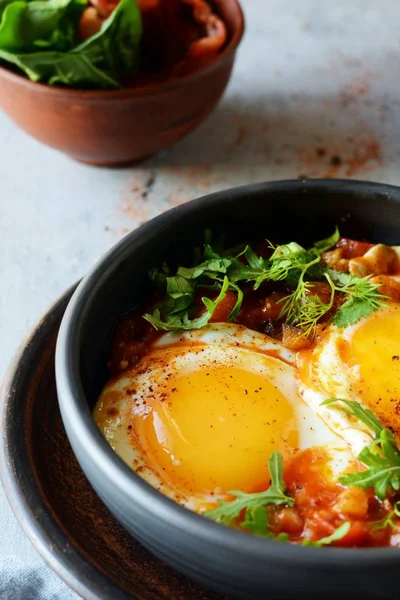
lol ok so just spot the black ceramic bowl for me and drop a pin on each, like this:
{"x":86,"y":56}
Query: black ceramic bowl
{"x":223,"y":559}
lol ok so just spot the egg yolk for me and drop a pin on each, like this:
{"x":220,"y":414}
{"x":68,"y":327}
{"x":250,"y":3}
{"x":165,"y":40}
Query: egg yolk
{"x":213,"y":430}
{"x":375,"y":349}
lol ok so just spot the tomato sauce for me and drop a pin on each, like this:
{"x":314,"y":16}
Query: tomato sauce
{"x":260,"y":310}
{"x":321,"y":504}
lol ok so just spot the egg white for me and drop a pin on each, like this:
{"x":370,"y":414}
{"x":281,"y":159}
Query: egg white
{"x":324,"y":374}
{"x":186,"y":352}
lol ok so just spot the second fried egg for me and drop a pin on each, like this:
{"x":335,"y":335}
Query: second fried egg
{"x":361,"y":363}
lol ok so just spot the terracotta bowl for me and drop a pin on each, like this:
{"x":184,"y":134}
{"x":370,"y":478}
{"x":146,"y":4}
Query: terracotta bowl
{"x":110,"y":128}
{"x":223,"y":559}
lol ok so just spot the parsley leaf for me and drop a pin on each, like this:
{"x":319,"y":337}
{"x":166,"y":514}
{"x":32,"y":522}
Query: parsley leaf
{"x":363,"y":298}
{"x":337,"y":535}
{"x":255,"y":269}
{"x":382,"y":457}
{"x":213,"y":265}
{"x":179,"y":321}
{"x":275,"y":494}
{"x":159,"y":276}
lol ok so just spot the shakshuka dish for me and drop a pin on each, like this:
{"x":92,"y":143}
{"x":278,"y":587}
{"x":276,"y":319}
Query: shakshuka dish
{"x":259,"y":386}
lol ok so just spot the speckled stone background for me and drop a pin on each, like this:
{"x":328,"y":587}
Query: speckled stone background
{"x":315,"y":92}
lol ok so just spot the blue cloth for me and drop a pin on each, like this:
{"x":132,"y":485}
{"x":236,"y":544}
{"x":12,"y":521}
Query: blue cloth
{"x":22,"y":579}
{"x":23,"y":574}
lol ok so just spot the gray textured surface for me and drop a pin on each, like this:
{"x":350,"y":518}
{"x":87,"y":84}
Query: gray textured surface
{"x":313,"y":80}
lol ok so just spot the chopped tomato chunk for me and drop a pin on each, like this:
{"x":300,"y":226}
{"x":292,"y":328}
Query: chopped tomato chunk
{"x":356,"y":536}
{"x":293,"y":338}
{"x":353,"y":248}
{"x":90,"y":23}
{"x":289,"y":520}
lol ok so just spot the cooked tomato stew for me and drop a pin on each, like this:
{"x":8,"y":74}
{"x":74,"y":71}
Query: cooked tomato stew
{"x":306,"y":300}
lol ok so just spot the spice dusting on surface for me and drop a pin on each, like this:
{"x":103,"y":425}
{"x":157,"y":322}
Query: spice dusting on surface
{"x":355,"y":159}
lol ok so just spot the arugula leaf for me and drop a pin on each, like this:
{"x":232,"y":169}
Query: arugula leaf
{"x":98,"y":62}
{"x":236,"y":308}
{"x":364,"y":415}
{"x":387,"y":521}
{"x":325,"y":244}
{"x":275,"y":494}
{"x":382,"y":457}
{"x":256,"y":521}
{"x":337,"y":535}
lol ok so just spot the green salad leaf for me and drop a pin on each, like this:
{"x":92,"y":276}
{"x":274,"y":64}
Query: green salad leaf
{"x":382,"y":457}
{"x":256,"y":521}
{"x":25,"y":25}
{"x":337,"y":535}
{"x":39,"y":37}
{"x":275,"y":494}
{"x":255,"y":505}
{"x":390,"y":520}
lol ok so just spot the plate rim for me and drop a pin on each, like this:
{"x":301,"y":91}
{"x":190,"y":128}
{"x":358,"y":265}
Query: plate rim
{"x":90,"y":583}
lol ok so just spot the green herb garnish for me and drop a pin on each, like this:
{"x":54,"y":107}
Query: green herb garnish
{"x":296,"y":267}
{"x":387,"y":521}
{"x":363,"y":298}
{"x":382,"y":457}
{"x":337,"y":535}
{"x":256,"y":521}
{"x":178,"y":318}
{"x":226,"y":512}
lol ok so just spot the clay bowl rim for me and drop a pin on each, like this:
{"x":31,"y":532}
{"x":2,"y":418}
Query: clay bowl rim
{"x":129,"y":93}
{"x":72,"y":398}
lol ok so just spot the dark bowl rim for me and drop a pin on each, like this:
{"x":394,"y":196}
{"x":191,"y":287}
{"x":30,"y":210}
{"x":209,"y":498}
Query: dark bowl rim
{"x":128,"y":93}
{"x":74,"y":407}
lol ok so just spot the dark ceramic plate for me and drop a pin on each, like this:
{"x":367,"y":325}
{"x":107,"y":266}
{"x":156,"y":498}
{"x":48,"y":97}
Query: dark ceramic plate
{"x":51,"y":497}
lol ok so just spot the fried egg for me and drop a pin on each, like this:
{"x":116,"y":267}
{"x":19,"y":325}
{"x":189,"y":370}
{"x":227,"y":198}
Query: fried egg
{"x":203,"y":410}
{"x":361,"y":363}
